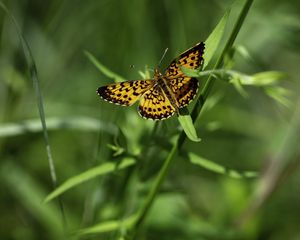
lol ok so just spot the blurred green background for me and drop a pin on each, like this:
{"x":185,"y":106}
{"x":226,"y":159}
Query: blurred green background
{"x":255,"y":133}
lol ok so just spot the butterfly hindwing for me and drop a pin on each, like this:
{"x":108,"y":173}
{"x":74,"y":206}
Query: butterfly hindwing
{"x":184,"y":89}
{"x":155,"y":105}
{"x":125,"y":93}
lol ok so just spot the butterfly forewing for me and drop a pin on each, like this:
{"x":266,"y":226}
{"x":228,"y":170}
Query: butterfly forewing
{"x":155,"y":105}
{"x":191,"y":58}
{"x":125,"y":93}
{"x":183,"y":87}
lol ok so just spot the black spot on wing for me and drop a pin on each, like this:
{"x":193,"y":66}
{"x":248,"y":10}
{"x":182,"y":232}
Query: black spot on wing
{"x":150,"y":114}
{"x":198,"y":47}
{"x":110,"y":96}
{"x":194,"y":54}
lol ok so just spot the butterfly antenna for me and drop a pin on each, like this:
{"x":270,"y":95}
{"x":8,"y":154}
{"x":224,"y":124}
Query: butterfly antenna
{"x":160,"y":61}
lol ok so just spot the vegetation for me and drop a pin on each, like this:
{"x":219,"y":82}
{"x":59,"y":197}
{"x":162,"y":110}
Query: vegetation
{"x":75,"y":167}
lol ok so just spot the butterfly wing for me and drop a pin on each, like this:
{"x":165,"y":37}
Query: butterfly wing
{"x":125,"y":93}
{"x":183,"y":87}
{"x":191,"y":58}
{"x":155,"y":105}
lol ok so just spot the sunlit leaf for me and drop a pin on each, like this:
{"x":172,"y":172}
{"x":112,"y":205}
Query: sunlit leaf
{"x":186,"y":122}
{"x":213,"y":41}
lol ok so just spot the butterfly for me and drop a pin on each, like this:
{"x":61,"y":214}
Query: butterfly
{"x":163,"y":95}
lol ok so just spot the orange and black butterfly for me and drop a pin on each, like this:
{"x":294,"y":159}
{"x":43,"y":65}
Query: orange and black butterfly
{"x":163,"y":95}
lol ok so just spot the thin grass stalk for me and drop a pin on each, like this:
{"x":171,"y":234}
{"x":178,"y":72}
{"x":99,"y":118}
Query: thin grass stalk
{"x":34,"y":77}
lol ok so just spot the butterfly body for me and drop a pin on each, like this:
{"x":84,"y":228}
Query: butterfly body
{"x":162,"y":82}
{"x":163,"y":95}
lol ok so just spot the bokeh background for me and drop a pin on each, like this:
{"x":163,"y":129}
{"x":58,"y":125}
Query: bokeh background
{"x":256,"y":133}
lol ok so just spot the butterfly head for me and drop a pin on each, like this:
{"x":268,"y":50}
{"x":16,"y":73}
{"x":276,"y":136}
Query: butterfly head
{"x":157,"y":74}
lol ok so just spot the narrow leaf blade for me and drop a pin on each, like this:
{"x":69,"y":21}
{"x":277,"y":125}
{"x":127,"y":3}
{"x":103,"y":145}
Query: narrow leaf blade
{"x":87,"y":175}
{"x":186,"y":122}
{"x":103,"y":69}
{"x":214,"y":167}
{"x":212,"y":42}
{"x":109,"y":226}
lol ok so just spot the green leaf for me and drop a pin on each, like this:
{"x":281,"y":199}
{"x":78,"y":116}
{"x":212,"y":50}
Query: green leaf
{"x":279,"y":94}
{"x":186,"y":122}
{"x":212,"y":42}
{"x":109,"y":226}
{"x":189,"y":72}
{"x":103,"y":69}
{"x":264,"y":78}
{"x":243,"y":51}
{"x":214,"y":167}
{"x":236,"y":81}
{"x":89,"y":174}
{"x":117,"y":149}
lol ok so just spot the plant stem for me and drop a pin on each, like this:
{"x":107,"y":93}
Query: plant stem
{"x":156,"y":185}
{"x":195,"y":113}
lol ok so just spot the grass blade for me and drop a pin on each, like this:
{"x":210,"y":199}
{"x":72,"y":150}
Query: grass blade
{"x":109,"y":226}
{"x":214,"y":167}
{"x":213,"y":41}
{"x":38,"y":94}
{"x":103,"y":69}
{"x":88,"y":175}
